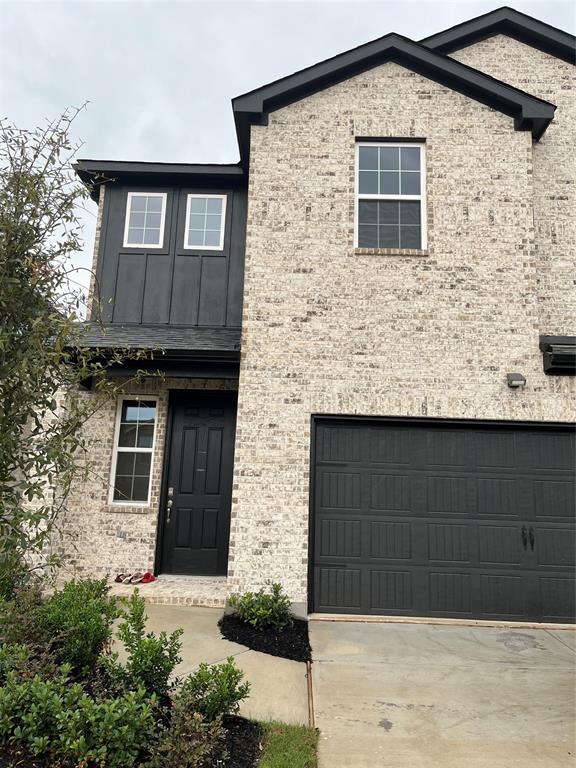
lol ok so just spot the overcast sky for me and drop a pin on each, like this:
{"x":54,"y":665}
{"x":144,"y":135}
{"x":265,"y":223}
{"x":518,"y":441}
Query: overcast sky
{"x":159,"y":75}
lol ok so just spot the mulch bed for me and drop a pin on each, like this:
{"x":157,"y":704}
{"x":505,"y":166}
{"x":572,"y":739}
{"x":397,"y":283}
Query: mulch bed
{"x":288,"y":643}
{"x":243,"y":742}
{"x":15,"y":760}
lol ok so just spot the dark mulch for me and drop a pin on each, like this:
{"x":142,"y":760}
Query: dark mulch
{"x":243,"y":742}
{"x":19,"y":760}
{"x":289,"y":643}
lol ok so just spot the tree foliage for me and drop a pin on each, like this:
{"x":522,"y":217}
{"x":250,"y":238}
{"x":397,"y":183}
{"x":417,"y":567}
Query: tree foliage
{"x":42,"y":362}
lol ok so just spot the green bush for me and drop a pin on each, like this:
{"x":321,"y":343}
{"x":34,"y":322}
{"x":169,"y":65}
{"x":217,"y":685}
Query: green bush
{"x":19,"y":617}
{"x":77,"y":620}
{"x":12,"y":657}
{"x":57,"y":720}
{"x":263,"y":611}
{"x":214,"y":690}
{"x":191,"y":742}
{"x":151,"y":659}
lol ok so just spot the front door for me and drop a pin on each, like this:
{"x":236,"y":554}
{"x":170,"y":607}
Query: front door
{"x":198,"y":488}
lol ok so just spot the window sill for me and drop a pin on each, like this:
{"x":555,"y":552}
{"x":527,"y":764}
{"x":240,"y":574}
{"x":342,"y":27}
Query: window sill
{"x":129,"y":509}
{"x":389,"y":252}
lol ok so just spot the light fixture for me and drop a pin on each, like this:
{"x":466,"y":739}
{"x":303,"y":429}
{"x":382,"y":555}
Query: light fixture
{"x":515,"y":380}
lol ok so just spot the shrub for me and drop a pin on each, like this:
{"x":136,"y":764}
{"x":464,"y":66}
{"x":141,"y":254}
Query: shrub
{"x":78,"y":620}
{"x":214,"y":690}
{"x":263,"y":611}
{"x":191,"y":742}
{"x":19,"y":616}
{"x":12,"y":657}
{"x":151,"y":659}
{"x":57,"y":720}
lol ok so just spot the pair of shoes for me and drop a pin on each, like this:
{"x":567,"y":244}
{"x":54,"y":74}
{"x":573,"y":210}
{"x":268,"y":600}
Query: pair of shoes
{"x":136,"y":578}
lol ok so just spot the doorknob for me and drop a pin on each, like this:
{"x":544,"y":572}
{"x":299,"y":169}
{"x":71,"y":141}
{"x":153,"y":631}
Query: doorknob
{"x":531,"y":534}
{"x":169,"y":510}
{"x":524,"y":537}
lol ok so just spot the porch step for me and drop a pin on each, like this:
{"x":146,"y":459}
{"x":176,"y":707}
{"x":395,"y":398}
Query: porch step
{"x":210,"y":592}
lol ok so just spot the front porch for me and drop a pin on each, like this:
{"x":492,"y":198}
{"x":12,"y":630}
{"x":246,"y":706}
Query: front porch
{"x":205,"y":591}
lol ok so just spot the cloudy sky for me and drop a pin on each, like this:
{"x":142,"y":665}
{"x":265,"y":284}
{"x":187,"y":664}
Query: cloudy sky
{"x":159,"y":75}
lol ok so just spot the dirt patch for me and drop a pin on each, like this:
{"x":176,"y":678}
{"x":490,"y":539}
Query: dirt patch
{"x":289,"y":643}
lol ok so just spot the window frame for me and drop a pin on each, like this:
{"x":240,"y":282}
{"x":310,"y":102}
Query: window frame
{"x":195,"y":196}
{"x":141,"y":246}
{"x":116,"y":449}
{"x":418,"y":198}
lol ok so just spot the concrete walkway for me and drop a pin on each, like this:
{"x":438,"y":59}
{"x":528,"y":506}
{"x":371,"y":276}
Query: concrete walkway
{"x":424,"y":696}
{"x":279,"y":689}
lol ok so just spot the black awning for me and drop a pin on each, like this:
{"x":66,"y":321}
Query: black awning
{"x":559,"y":355}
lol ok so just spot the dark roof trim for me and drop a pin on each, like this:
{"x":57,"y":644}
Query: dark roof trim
{"x":506,"y":21}
{"x":529,"y":113}
{"x":94,"y":172}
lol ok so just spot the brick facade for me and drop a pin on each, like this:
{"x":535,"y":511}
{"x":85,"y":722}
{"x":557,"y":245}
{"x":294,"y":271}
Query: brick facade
{"x":330,"y":330}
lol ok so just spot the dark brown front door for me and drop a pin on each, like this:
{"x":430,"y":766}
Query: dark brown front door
{"x":197,"y":497}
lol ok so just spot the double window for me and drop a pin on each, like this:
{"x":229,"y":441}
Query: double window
{"x":133,"y":447}
{"x":390,"y":196}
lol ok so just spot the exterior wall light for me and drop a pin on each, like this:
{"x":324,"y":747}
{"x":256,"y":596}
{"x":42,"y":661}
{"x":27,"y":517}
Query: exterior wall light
{"x":515,"y":380}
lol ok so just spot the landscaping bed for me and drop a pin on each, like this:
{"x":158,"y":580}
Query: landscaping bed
{"x":290,"y":642}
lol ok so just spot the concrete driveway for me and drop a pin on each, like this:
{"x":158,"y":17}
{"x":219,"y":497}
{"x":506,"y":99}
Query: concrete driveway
{"x":437,"y":696}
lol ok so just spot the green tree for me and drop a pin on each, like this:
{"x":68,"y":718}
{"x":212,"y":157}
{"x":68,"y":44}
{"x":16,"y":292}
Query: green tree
{"x":42,"y":362}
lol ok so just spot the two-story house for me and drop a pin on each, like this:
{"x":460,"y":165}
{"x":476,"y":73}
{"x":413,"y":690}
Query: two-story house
{"x":368,"y":339}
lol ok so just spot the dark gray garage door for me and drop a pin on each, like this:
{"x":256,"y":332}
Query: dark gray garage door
{"x":427,"y":518}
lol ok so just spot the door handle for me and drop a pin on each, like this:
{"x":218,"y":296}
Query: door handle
{"x":531,"y":535}
{"x":524,"y":537}
{"x":168,"y":510}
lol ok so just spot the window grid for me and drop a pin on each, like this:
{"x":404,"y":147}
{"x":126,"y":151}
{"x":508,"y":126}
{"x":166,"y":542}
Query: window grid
{"x":145,"y":216}
{"x":205,"y":222}
{"x":133,"y":451}
{"x":400,"y":171}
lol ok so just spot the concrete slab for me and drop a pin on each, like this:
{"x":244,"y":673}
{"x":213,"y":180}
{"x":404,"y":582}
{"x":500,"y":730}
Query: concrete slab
{"x":567,"y":637}
{"x":279,"y":688}
{"x":406,"y":696}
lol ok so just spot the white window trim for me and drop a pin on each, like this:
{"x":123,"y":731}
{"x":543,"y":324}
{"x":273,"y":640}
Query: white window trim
{"x":220,"y":245}
{"x":160,"y":244}
{"x":421,"y":197}
{"x":116,"y":449}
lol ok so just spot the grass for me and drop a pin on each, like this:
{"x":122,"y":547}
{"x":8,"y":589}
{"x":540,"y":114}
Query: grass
{"x":289,"y":746}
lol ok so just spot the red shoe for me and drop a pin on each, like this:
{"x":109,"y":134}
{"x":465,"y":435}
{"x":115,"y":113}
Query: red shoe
{"x":148,"y":578}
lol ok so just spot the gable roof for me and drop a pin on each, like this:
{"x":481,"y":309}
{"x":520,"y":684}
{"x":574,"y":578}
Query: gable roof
{"x":529,"y":113}
{"x":505,"y":21}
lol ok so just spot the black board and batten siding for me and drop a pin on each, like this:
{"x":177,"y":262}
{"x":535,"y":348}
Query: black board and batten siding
{"x":171,"y":285}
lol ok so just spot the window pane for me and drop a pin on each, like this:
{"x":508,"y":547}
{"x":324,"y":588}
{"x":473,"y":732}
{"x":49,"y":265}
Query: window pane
{"x":211,"y":238}
{"x":153,"y":220}
{"x":367,"y":236}
{"x":388,"y":237}
{"x":389,"y":158}
{"x":388,"y":212}
{"x":127,"y":436}
{"x":152,"y":236}
{"x":122,"y":488}
{"x":138,"y":203}
{"x":410,"y":183}
{"x":410,"y":158}
{"x":140,"y":489}
{"x":410,"y":237}
{"x":198,"y":205}
{"x":146,"y":411}
{"x":130,"y":410}
{"x":213,"y":222}
{"x":135,"y":236}
{"x":410,"y":212}
{"x":368,"y":182}
{"x":137,"y":219}
{"x":195,"y":237}
{"x":154,"y":203}
{"x":368,"y":158}
{"x":125,"y":463}
{"x":145,"y":435}
{"x":389,"y":183}
{"x":368,"y":212}
{"x":142,"y":464}
{"x":214,"y":205}
{"x":197,"y":220}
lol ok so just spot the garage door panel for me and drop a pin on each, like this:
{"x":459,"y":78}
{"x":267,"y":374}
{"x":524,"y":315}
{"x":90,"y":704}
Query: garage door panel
{"x":434,"y":520}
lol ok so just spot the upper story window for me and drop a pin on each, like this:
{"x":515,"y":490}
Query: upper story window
{"x":133,"y":447}
{"x":145,"y":215}
{"x":390,"y":195}
{"x":205,"y":218}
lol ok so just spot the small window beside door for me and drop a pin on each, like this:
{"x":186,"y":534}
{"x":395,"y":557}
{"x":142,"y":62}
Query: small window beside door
{"x":205,"y":221}
{"x":145,"y":216}
{"x":390,"y":196}
{"x":133,"y":448}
